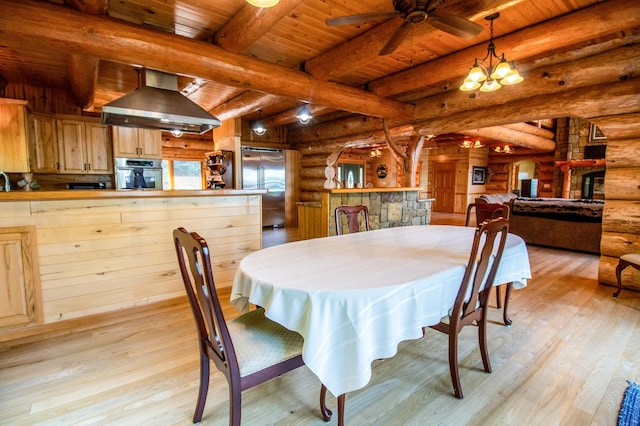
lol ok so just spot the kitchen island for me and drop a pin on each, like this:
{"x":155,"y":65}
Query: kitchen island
{"x":79,"y":253}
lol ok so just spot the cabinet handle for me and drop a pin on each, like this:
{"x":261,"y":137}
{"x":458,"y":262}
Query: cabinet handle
{"x":57,"y":165}
{"x":89,"y":166}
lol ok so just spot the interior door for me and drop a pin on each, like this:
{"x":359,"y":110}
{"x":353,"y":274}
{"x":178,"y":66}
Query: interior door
{"x":444,"y":186}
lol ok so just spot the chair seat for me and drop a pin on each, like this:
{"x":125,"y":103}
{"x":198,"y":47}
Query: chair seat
{"x":633,"y":258}
{"x":260,"y":342}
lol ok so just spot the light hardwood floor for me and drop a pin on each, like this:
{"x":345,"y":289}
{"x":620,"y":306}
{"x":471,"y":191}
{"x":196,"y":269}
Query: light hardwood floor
{"x":565,"y":360}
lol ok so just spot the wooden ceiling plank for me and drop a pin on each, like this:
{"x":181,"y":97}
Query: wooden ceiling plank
{"x":586,"y":24}
{"x":118,"y":41}
{"x":251,"y":23}
{"x":83,"y":76}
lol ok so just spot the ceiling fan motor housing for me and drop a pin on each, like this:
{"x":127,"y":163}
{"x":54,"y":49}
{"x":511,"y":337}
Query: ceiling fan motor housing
{"x":414,"y":11}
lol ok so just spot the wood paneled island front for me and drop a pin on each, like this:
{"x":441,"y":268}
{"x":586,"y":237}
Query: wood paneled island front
{"x":102,"y":251}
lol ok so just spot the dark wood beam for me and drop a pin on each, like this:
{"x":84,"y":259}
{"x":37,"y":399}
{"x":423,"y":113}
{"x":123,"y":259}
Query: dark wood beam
{"x":93,"y":7}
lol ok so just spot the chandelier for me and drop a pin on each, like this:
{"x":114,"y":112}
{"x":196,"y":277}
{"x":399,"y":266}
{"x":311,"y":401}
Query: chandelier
{"x":304,"y":116}
{"x":469,"y":144}
{"x":489,"y":79}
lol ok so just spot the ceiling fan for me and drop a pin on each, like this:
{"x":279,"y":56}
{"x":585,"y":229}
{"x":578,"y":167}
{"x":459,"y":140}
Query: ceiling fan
{"x":414,"y":12}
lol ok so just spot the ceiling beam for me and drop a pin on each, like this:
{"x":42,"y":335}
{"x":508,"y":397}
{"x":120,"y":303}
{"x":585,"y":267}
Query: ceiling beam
{"x":83,"y":75}
{"x":245,"y":103}
{"x":117,"y":41}
{"x":584,"y":25}
{"x":513,"y":137}
{"x":93,"y":7}
{"x":251,"y":23}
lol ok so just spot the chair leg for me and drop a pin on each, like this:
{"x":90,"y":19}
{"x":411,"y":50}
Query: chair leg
{"x":482,"y":341}
{"x":235,"y":404}
{"x":341,"y":410}
{"x":204,"y":388}
{"x":505,"y":311}
{"x":453,"y":363}
{"x":498,"y":301}
{"x":326,"y":413}
{"x":621,"y":266}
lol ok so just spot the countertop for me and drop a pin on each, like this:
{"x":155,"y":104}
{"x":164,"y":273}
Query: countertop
{"x":110,"y":193}
{"x":381,"y":189}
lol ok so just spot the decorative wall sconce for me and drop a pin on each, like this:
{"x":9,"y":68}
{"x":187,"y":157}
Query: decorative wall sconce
{"x":304,"y":115}
{"x":375,"y":153}
{"x":491,"y":78}
{"x":469,"y":144}
{"x":257,"y":127}
{"x":506,"y":149}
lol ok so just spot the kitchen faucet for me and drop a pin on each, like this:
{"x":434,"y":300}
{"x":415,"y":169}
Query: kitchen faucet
{"x":7,"y":184}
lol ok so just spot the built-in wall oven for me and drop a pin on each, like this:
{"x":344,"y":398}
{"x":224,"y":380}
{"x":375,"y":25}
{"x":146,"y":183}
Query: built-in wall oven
{"x":137,"y":173}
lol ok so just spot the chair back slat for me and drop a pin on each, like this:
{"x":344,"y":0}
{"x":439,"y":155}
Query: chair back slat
{"x":486,"y":253}
{"x":197,"y":276}
{"x":353,"y":220}
{"x":486,"y":211}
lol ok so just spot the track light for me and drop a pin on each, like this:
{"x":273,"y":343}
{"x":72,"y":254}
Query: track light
{"x":263,"y":3}
{"x":304,"y":115}
{"x":257,"y":127}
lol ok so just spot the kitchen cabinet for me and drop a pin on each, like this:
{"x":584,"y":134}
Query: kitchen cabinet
{"x":129,"y":142}
{"x":14,"y":152}
{"x":84,"y":147}
{"x":20,"y":298}
{"x":44,"y":144}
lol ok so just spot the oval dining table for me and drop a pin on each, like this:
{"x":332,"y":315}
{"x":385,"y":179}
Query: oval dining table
{"x":355,"y":297}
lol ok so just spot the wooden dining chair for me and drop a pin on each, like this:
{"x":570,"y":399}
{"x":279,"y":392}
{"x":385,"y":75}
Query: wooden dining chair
{"x":486,"y":211}
{"x":353,"y":219}
{"x":248,"y":350}
{"x":470,"y":306}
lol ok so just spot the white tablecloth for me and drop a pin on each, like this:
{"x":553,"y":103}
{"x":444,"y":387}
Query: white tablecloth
{"x":354,"y":297}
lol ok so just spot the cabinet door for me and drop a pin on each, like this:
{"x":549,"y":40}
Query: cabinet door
{"x":125,"y":142}
{"x":44,"y":145}
{"x":71,"y":146}
{"x":14,"y":154}
{"x":150,"y":143}
{"x":20,"y":298}
{"x":98,"y":146}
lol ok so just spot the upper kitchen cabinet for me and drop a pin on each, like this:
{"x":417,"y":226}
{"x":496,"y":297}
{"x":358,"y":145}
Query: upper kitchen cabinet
{"x":14,"y":151}
{"x":44,"y":144}
{"x":84,"y":147}
{"x":129,"y":142}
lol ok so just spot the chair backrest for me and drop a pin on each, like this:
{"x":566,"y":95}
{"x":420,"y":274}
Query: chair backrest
{"x":481,"y":268}
{"x":197,"y":276}
{"x":353,"y":221}
{"x":486,"y":211}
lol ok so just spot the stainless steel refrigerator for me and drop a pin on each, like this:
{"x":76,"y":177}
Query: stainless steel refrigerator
{"x":265,"y":169}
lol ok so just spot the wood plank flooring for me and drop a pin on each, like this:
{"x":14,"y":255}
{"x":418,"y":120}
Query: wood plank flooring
{"x":565,"y":360}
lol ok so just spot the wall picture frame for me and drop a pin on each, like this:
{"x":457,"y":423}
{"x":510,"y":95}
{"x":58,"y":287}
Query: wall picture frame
{"x":478,"y":175}
{"x":595,"y":134}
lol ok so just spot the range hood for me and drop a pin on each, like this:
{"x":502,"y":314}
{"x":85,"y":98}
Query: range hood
{"x":158,"y":105}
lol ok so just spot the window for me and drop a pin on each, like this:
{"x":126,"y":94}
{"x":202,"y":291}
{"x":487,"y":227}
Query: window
{"x":179,"y":174}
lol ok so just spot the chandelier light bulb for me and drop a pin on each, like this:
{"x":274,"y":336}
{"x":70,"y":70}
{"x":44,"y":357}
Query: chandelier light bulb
{"x":476,"y":74}
{"x":304,"y":116}
{"x":258,"y":128}
{"x":490,"y":86}
{"x":513,"y":78}
{"x":501,"y":70}
{"x":469,"y":85}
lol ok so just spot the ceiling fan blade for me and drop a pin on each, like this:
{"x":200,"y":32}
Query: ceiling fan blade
{"x":392,"y":44}
{"x":452,"y":24}
{"x":360,"y":19}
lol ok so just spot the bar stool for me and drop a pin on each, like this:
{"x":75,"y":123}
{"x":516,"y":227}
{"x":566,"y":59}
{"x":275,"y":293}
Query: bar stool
{"x":629,"y":259}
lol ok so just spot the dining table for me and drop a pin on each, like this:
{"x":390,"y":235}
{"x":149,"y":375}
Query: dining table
{"x":355,"y":297}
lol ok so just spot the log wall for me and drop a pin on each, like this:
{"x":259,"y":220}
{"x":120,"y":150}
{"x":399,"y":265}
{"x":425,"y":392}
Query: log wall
{"x":621,"y":218}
